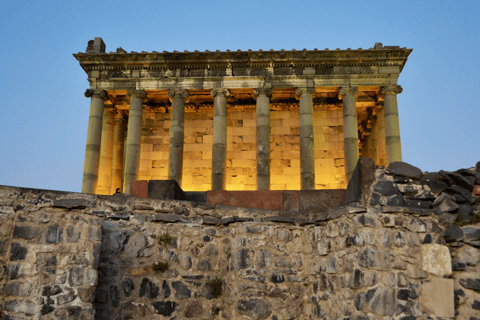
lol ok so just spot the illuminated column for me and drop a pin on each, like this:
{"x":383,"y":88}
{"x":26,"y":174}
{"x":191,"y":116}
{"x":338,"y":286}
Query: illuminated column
{"x":350,"y":130}
{"x":263,"y":137}
{"x":132,"y":157}
{"x":307,"y":155}
{"x":374,"y":139}
{"x":94,"y":136}
{"x":381,"y":146}
{"x":105,"y":166}
{"x":392,"y":125}
{"x":175,"y":155}
{"x":117,"y":156}
{"x":219,"y":148}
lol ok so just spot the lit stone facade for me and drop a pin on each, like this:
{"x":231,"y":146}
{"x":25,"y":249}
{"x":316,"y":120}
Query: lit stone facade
{"x":239,"y":120}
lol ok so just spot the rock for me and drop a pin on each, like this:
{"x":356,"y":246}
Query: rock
{"x":128,"y":286}
{"x":114,"y":241}
{"x":181,"y":290}
{"x":367,"y":220}
{"x":394,"y":201}
{"x":211,"y":221}
{"x":375,"y":199}
{"x":25,"y":307}
{"x":65,"y":298}
{"x":167,"y":218}
{"x":194,"y":310}
{"x":372,"y":258}
{"x":263,"y":259}
{"x":54,"y":235}
{"x":86,"y":294}
{"x":184,"y":261}
{"x":240,"y":259}
{"x":356,"y":280}
{"x":26,"y":232}
{"x":414,"y":272}
{"x":115,"y":296}
{"x":471,"y":234}
{"x":332,"y":264}
{"x":278,"y":219}
{"x":17,"y":289}
{"x":204,"y":265}
{"x":402,"y":294}
{"x":445,"y":203}
{"x":51,"y":291}
{"x":405,"y":170}
{"x":166,"y":289}
{"x":148,"y":289}
{"x":435,"y":259}
{"x":458,"y":265}
{"x":135,"y":244}
{"x":435,"y":186}
{"x":453,"y":233}
{"x":381,"y":301}
{"x":70,"y":203}
{"x":469,"y":283}
{"x":72,"y":235}
{"x":277,"y":278}
{"x":425,"y":195}
{"x":229,"y":220}
{"x":469,"y":255}
{"x":462,"y":181}
{"x":386,"y":188}
{"x":165,"y":308}
{"x":476,"y":305}
{"x":417,"y":225}
{"x":464,"y":211}
{"x":80,"y":276}
{"x":417,"y":204}
{"x":437,"y":297}
{"x":17,"y":252}
{"x":254,"y":308}
{"x":462,"y":192}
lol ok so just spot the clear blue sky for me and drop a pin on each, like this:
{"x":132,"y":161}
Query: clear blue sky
{"x":44,"y":114}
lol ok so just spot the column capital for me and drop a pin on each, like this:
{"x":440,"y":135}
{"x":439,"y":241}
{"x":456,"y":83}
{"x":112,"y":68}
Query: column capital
{"x":393,"y":89}
{"x":262,"y":91}
{"x":101,"y":93}
{"x":225,"y":92}
{"x":347,"y":90}
{"x":137,"y":94}
{"x":300,"y":91}
{"x":178,"y":92}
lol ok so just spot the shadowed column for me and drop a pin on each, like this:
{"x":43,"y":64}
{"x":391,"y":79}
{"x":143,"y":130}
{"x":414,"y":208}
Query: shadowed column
{"x":132,"y":157}
{"x":350,"y":130}
{"x":175,"y":149}
{"x":381,"y":147}
{"x":307,"y":155}
{"x":105,"y":170}
{"x":219,"y":148}
{"x":374,"y":139}
{"x":263,"y":137}
{"x":94,"y":136}
{"x":392,"y":125}
{"x":117,"y":156}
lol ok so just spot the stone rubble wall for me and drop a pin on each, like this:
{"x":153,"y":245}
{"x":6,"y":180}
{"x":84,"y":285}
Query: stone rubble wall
{"x":406,"y":255}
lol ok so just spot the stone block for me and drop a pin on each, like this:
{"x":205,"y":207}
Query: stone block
{"x":291,"y":200}
{"x":358,"y":188}
{"x":437,"y":297}
{"x":321,"y":200}
{"x":165,"y":190}
{"x":436,"y":259}
{"x":139,"y":188}
{"x":261,"y":199}
{"x":70,"y":203}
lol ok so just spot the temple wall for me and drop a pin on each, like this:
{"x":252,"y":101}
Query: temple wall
{"x":241,"y":150}
{"x":410,"y":252}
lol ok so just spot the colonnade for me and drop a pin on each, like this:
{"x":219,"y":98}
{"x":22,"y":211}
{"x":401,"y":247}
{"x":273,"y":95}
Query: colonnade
{"x":105,"y":157}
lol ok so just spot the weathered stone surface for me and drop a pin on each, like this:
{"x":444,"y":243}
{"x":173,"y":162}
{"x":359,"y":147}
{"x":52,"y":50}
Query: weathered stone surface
{"x":70,"y":203}
{"x":471,"y":234}
{"x":445,"y":203}
{"x":464,"y":194}
{"x":113,"y":241}
{"x":436,"y":259}
{"x":86,"y":294}
{"x":470,"y":283}
{"x":181,"y":290}
{"x":405,"y":170}
{"x":372,"y":258}
{"x":194,"y":310}
{"x":135,"y":244}
{"x":278,"y":219}
{"x":458,"y":265}
{"x":469,"y":255}
{"x":240,"y":259}
{"x":54,"y":235}
{"x":15,"y":288}
{"x":165,"y":308}
{"x":80,"y":276}
{"x":17,"y":252}
{"x":148,"y":289}
{"x":204,"y":265}
{"x":414,"y":272}
{"x":437,"y":297}
{"x":26,"y":231}
{"x":167,"y":218}
{"x":255,"y":308}
{"x":461,"y":180}
{"x":453,"y":233}
{"x":386,"y":188}
{"x":25,"y":307}
{"x":184,"y":261}
{"x":381,"y":301}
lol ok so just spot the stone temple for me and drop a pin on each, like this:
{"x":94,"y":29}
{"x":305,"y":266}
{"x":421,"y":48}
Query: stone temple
{"x":239,"y":120}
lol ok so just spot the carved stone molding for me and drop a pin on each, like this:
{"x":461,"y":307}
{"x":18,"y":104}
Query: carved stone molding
{"x":300,"y":91}
{"x":347,"y":90}
{"x":137,"y":94}
{"x":264,"y":91}
{"x":225,"y":92}
{"x":394,"y":89}
{"x":178,"y":92}
{"x":101,"y":93}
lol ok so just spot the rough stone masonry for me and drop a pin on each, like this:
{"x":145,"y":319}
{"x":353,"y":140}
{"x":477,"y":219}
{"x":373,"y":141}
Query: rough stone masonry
{"x":406,"y":248}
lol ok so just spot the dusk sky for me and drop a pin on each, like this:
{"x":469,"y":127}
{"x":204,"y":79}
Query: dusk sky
{"x":44,"y":114}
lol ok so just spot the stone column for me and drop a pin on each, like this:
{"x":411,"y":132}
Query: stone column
{"x":219,"y":148}
{"x":132,"y":157}
{"x":374,"y":139}
{"x":307,"y":155}
{"x":175,"y":155}
{"x":263,"y":137}
{"x":350,"y":129}
{"x":105,"y":166}
{"x":381,"y":147}
{"x":94,"y":136}
{"x":392,"y":125}
{"x":117,"y":156}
